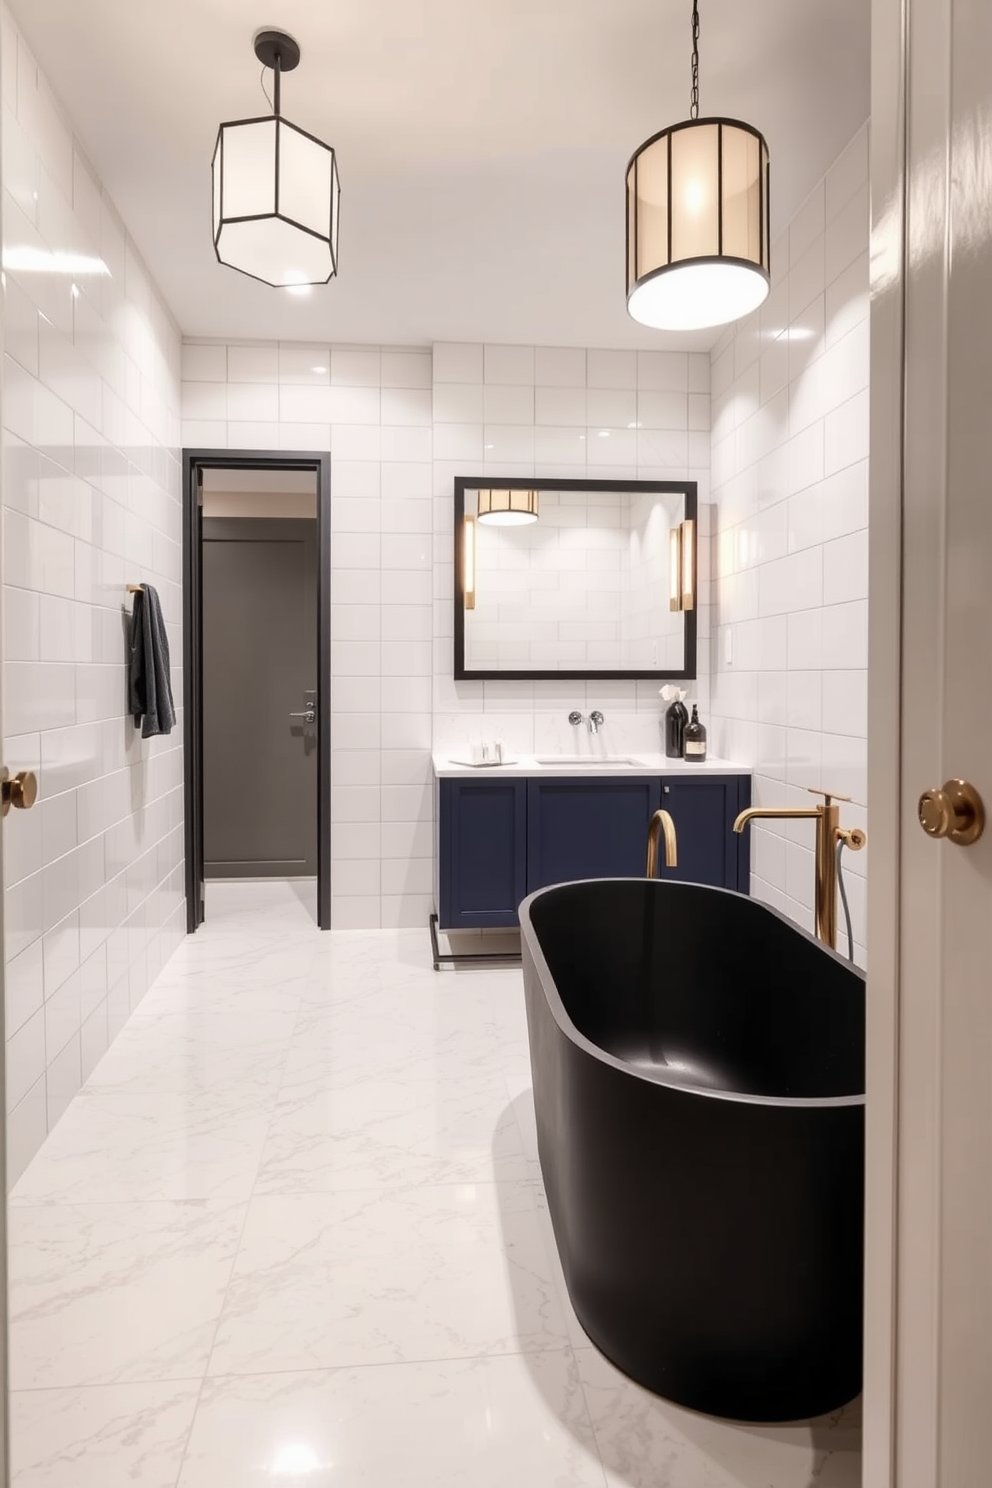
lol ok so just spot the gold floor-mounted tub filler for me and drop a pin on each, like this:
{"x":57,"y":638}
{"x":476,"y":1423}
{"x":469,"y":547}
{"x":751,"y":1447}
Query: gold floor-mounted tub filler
{"x":829,"y":833}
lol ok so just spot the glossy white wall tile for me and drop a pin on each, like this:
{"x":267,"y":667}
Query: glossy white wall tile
{"x":400,"y":424}
{"x":790,"y":547}
{"x":569,"y":412}
{"x":372,"y":408}
{"x":90,"y":502}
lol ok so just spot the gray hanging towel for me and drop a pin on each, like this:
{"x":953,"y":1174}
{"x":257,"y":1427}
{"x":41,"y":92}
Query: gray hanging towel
{"x":149,"y":686}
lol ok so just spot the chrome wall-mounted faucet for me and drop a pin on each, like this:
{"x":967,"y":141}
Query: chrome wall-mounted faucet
{"x":595,"y":719}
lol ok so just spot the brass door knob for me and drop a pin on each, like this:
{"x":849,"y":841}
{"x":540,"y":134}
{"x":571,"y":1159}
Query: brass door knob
{"x":21,"y":791}
{"x":956,"y":812}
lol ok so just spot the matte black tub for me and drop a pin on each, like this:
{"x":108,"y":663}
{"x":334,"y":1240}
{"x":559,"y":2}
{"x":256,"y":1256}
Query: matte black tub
{"x":698,"y":1067}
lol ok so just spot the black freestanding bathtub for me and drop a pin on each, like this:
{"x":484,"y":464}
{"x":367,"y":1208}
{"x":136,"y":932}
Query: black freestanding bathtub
{"x":698,"y":1069}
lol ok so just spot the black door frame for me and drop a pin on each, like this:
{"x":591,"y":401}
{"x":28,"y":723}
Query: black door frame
{"x":195,"y":461}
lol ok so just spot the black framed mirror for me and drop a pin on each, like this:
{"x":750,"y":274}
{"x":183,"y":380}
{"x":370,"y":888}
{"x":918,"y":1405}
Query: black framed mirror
{"x":574,"y":579}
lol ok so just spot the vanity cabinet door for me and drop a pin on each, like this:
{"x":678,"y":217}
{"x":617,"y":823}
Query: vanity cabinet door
{"x":703,"y":809}
{"x":580,"y":828}
{"x":482,"y":829}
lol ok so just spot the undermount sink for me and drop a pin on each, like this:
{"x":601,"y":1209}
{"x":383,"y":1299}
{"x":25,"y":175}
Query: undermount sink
{"x":588,"y":761}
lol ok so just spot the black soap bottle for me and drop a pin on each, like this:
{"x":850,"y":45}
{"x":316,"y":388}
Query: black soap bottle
{"x":676,"y":719}
{"x":694,"y":744}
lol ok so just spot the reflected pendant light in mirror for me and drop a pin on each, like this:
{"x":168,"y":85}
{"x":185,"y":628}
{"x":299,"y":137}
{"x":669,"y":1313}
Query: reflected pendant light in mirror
{"x":275,"y":189}
{"x":504,"y":508}
{"x":697,"y":220}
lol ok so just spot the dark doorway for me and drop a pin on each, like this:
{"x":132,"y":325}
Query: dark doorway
{"x":259,"y":696}
{"x":256,"y":664}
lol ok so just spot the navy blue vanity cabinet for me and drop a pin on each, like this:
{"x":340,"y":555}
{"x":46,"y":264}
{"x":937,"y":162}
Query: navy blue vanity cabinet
{"x":703,"y":808}
{"x":482,"y":827}
{"x":582,"y":828}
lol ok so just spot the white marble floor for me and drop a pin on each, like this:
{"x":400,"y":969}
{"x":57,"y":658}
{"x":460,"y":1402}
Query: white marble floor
{"x":293,"y":1233}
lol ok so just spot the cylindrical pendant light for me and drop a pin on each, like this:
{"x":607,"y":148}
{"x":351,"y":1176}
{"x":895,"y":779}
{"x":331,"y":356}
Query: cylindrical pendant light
{"x":275,"y":190}
{"x":508,"y":508}
{"x":697,"y":220}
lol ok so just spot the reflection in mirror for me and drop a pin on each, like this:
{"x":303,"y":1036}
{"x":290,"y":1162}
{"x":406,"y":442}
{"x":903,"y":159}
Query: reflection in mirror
{"x":596,"y":580}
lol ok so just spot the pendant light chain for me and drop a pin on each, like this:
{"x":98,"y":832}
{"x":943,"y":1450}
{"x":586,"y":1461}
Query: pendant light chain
{"x":694,"y":104}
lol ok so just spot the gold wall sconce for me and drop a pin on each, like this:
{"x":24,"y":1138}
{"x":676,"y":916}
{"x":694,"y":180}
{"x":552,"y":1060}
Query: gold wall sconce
{"x":468,"y":559}
{"x":682,"y":567}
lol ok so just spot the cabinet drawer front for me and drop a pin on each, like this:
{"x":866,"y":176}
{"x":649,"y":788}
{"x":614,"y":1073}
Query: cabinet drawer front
{"x":483,"y":853}
{"x":588,"y":828}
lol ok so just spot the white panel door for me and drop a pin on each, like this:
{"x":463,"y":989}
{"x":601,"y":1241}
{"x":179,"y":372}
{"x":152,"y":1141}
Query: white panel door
{"x":928,"y":1401}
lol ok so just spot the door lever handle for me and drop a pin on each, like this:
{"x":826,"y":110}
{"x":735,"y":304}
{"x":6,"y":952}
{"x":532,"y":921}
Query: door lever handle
{"x":310,"y":715}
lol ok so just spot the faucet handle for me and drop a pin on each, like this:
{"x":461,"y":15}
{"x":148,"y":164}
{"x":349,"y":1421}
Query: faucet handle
{"x":575,"y":718}
{"x":828,"y":796}
{"x":596,"y":717}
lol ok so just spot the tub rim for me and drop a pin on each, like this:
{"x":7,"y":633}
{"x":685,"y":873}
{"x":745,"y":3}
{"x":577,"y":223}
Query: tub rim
{"x":529,"y":934}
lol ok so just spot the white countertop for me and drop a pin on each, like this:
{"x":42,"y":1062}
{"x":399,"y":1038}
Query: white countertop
{"x":548,"y":764}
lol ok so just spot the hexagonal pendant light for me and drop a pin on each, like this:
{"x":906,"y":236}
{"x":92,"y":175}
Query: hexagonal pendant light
{"x":697,"y":220}
{"x":275,"y":189}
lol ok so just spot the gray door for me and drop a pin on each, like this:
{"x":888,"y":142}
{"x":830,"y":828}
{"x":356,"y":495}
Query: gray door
{"x":259,"y":668}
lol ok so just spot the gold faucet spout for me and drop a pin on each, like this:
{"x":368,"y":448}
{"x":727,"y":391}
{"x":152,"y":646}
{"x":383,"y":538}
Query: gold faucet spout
{"x":776,"y":813}
{"x":662,"y":822}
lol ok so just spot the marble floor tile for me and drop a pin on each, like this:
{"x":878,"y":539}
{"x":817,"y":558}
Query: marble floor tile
{"x":231,"y":975}
{"x":392,"y":1132}
{"x":646,"y":1441}
{"x":388,"y":1276}
{"x":279,"y":905}
{"x":113,"y":1293}
{"x":119,"y":1148}
{"x":521,"y":1089}
{"x":488,"y":1423}
{"x":294,"y":1231}
{"x":376,"y":1035}
{"x":167,"y":1056}
{"x":102,"y":1436}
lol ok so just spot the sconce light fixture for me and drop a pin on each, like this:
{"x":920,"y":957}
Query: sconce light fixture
{"x":469,"y":563}
{"x":508,"y":508}
{"x":682,"y":567}
{"x":697,"y":220}
{"x":276,"y":190}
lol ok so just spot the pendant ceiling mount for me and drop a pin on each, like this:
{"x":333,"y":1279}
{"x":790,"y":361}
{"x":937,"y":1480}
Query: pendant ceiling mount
{"x":698,"y":220}
{"x":277,"y":49}
{"x":276,"y":192}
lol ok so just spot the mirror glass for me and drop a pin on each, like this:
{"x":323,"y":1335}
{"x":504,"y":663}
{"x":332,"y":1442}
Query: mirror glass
{"x":574,"y":579}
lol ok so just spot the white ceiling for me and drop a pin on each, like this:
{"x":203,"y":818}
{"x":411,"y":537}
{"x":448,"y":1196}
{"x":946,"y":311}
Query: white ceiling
{"x":481,"y":143}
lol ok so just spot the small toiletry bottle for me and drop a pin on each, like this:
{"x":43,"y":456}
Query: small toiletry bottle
{"x":676,"y":719}
{"x":694,"y":747}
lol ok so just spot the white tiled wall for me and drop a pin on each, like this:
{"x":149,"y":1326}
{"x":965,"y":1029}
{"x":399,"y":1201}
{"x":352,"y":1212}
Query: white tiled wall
{"x":556,"y":411}
{"x":400,"y":425}
{"x":790,"y":559}
{"x":90,"y":502}
{"x":371,"y":408}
